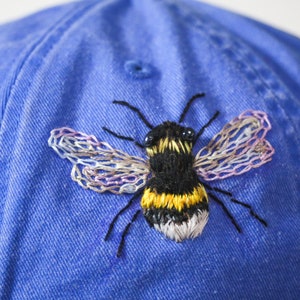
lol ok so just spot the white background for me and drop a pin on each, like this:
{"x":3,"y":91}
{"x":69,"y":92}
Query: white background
{"x":283,"y":14}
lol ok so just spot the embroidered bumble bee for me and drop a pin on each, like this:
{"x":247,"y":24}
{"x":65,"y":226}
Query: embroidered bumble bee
{"x":173,"y":198}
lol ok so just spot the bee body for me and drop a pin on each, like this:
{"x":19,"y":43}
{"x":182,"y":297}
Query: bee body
{"x":174,"y":201}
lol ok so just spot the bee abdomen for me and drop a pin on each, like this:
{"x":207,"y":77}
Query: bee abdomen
{"x":178,"y":226}
{"x":178,"y":216}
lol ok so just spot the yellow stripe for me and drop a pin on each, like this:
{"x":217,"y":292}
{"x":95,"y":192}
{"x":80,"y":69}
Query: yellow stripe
{"x":151,"y":199}
{"x":170,"y":144}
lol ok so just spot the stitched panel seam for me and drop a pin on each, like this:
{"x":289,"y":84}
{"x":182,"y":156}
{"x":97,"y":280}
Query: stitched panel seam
{"x":51,"y":37}
{"x":263,"y":79}
{"x":48,"y":41}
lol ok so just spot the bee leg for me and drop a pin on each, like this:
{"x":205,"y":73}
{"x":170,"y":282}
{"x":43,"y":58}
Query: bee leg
{"x":252,"y":213}
{"x":112,"y":223}
{"x":225,"y":209}
{"x":232,"y":199}
{"x":122,"y":137}
{"x":122,"y":243}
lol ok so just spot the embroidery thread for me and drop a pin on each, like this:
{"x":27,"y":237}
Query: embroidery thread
{"x":173,"y":199}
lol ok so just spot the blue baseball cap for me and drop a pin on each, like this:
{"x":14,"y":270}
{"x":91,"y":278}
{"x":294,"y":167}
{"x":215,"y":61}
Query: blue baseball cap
{"x":64,"y":68}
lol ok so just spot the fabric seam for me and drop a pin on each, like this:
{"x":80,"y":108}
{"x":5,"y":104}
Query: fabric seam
{"x":269,"y":86}
{"x":54,"y":32}
{"x":50,"y":38}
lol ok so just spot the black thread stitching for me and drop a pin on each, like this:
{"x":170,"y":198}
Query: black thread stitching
{"x":136,"y":110}
{"x":114,"y":220}
{"x":125,"y":232}
{"x":188,"y":105}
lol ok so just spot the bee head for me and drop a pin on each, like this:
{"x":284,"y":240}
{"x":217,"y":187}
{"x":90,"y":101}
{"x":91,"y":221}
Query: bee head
{"x":169,"y":136}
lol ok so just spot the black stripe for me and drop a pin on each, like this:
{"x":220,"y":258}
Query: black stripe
{"x":162,"y":216}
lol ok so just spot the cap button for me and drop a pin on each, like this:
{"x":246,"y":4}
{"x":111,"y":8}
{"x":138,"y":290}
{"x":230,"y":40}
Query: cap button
{"x":138,"y":69}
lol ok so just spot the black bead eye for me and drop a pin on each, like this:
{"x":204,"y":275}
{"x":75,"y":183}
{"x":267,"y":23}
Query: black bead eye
{"x":148,"y":141}
{"x":188,"y":134}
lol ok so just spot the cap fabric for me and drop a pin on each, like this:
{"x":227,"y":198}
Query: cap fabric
{"x":64,"y":67}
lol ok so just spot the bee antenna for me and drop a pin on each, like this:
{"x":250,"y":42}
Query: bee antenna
{"x":136,"y":110}
{"x":188,"y":105}
{"x":200,"y":132}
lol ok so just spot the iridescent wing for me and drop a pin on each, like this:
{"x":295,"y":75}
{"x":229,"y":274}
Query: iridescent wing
{"x":97,"y":165}
{"x":240,"y":146}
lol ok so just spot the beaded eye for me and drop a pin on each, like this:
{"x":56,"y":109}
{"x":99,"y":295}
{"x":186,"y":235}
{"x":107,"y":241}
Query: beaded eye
{"x":188,"y":134}
{"x":149,"y":139}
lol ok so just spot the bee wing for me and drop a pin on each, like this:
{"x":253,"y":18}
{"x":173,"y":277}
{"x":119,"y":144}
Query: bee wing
{"x":97,"y":165}
{"x":240,"y":146}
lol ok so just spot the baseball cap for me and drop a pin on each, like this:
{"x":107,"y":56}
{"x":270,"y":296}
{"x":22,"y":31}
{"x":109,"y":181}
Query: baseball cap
{"x":64,"y":67}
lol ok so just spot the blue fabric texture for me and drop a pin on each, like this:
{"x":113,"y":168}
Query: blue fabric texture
{"x":64,"y":67}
